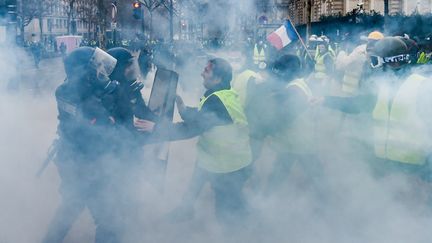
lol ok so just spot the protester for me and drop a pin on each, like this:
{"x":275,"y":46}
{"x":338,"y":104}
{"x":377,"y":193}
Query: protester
{"x":85,"y":142}
{"x":224,"y":154}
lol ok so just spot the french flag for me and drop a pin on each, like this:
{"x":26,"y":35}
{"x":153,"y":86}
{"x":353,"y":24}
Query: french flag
{"x":283,"y":36}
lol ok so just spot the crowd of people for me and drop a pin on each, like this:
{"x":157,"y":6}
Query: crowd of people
{"x":373,"y":102}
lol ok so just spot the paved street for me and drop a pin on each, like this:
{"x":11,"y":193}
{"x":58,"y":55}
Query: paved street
{"x":43,"y":79}
{"x":29,"y":126}
{"x":18,"y":65}
{"x":336,"y":91}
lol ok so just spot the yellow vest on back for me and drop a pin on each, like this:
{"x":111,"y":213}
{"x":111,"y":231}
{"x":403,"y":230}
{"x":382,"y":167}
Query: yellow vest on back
{"x":353,"y":70}
{"x":224,"y":149}
{"x":258,"y":56}
{"x":351,"y":80}
{"x":240,"y":83}
{"x":320,"y":68}
{"x":399,"y":133}
{"x":298,"y":136}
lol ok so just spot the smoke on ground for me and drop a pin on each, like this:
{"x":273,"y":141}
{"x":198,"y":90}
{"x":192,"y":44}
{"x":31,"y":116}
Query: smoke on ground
{"x":354,"y":205}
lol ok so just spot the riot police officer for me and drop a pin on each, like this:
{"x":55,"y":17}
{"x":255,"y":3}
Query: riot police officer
{"x":129,"y":161}
{"x":84,"y":145}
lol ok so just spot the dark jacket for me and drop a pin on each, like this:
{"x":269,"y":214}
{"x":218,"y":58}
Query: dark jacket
{"x":271,"y":106}
{"x":84,"y":124}
{"x":125,"y":104}
{"x":128,"y":103}
{"x":196,"y":122}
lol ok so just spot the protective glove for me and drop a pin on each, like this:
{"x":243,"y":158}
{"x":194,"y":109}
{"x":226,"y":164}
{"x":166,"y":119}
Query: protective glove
{"x":136,"y":86}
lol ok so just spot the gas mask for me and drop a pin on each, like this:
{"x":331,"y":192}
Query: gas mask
{"x":100,"y":66}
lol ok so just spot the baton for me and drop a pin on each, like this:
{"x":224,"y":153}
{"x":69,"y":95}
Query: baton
{"x":52,"y":150}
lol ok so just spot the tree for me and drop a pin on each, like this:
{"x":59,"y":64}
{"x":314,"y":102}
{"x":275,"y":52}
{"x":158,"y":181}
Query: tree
{"x":101,"y":13}
{"x":88,"y":13}
{"x":70,"y":9}
{"x":33,"y":9}
{"x":95,"y":12}
{"x":151,"y":6}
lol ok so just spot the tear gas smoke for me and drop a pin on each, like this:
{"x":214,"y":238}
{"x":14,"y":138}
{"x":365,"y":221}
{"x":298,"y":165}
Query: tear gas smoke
{"x":347,"y":203}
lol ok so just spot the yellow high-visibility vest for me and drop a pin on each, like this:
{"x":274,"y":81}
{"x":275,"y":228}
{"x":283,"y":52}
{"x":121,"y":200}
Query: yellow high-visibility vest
{"x":224,"y":149}
{"x":240,"y":83}
{"x":332,"y":52}
{"x":320,"y":68}
{"x":351,"y":80}
{"x":258,"y":56}
{"x":399,"y":133}
{"x":299,"y":136}
{"x":423,"y":58}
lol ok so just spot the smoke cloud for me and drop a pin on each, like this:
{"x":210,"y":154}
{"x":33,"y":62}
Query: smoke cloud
{"x":348,"y":203}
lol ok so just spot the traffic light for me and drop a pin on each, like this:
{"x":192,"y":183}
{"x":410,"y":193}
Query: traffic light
{"x":137,"y":11}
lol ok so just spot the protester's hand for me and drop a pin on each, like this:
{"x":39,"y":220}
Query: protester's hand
{"x":316,"y":101}
{"x":180,"y":104}
{"x":144,"y":125}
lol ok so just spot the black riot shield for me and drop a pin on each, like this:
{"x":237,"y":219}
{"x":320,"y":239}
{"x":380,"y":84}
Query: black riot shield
{"x":161,"y":103}
{"x":163,"y":94}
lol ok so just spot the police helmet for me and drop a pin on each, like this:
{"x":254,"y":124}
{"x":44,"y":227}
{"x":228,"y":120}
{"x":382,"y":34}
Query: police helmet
{"x":124,"y":59}
{"x":286,"y":67}
{"x":91,"y":67}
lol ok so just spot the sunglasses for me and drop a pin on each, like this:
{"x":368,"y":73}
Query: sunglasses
{"x":377,"y":61}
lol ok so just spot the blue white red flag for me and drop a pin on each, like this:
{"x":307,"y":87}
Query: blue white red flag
{"x":283,"y":36}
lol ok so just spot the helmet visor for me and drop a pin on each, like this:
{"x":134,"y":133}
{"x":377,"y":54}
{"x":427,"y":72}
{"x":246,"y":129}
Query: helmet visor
{"x":102,"y":62}
{"x":102,"y":65}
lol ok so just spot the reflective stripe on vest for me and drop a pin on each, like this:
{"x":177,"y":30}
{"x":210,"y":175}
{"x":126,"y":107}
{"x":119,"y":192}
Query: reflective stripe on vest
{"x":299,"y":135}
{"x":300,"y":83}
{"x":258,"y":56}
{"x":351,"y":80}
{"x":399,"y":133}
{"x":224,"y":149}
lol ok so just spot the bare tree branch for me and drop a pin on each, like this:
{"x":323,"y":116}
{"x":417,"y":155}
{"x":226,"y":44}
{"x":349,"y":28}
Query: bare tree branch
{"x":32,"y":9}
{"x":88,"y":13}
{"x":69,"y":11}
{"x":168,"y":8}
{"x":151,"y":5}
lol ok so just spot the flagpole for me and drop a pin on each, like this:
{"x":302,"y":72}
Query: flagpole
{"x":301,"y":40}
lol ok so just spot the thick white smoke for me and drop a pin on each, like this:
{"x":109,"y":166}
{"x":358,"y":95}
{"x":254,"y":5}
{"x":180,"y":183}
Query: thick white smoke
{"x":356,"y":206}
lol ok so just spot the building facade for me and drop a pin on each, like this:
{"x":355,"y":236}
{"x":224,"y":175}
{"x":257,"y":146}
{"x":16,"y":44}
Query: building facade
{"x":298,"y":12}
{"x":8,"y":17}
{"x":419,"y":6}
{"x":55,"y":22}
